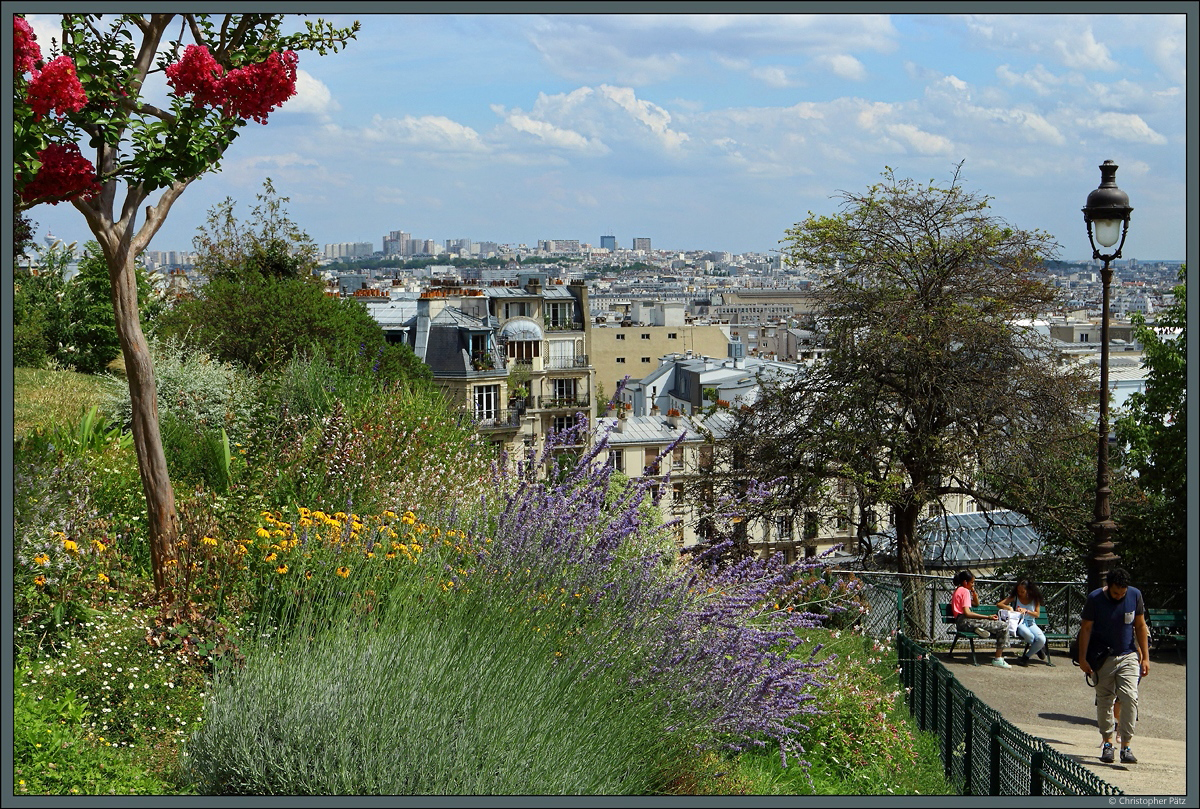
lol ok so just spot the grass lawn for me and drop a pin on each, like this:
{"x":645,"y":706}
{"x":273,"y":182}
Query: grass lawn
{"x":42,"y":398}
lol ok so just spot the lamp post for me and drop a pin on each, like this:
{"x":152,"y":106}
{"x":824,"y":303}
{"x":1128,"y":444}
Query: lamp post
{"x":1107,"y":210}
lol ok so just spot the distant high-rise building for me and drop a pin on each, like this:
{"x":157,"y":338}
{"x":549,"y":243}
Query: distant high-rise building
{"x":608,"y":242}
{"x":397,"y":243}
{"x":641,"y":244}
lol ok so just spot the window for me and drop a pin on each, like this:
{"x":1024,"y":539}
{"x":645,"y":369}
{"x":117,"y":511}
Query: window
{"x":558,"y":314}
{"x":486,"y":402}
{"x":563,"y":423}
{"x":645,"y":359}
{"x":620,"y":336}
{"x":811,"y":525}
{"x":524,"y":350}
{"x":677,"y":458}
{"x":781,"y":525}
{"x":563,"y":389}
{"x":706,"y":458}
{"x":645,"y":336}
{"x":516,"y":309}
{"x":651,"y":464}
{"x":621,"y":360}
{"x":616,"y":459}
{"x":672,"y":335}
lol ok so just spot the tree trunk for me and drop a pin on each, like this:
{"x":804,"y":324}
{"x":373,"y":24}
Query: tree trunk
{"x":163,"y":520}
{"x":909,"y":560}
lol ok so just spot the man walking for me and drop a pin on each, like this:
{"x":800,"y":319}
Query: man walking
{"x":1114,"y":618}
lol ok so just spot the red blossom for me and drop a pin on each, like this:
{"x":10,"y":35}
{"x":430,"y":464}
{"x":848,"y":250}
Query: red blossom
{"x":252,"y":91}
{"x":26,"y":53}
{"x":65,"y":174}
{"x":255,"y":90}
{"x":197,"y":74}
{"x":56,"y":88}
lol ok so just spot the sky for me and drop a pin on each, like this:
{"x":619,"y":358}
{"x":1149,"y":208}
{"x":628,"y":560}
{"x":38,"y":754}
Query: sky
{"x":709,"y":131}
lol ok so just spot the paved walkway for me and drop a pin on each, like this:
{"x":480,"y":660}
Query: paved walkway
{"x":1055,"y":704}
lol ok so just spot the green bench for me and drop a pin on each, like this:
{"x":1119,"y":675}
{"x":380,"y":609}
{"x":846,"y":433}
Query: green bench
{"x":991,"y":610}
{"x":1167,"y":625}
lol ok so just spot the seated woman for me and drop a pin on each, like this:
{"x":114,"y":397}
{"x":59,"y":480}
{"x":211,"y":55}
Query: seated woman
{"x":1026,"y":600}
{"x":961,"y":602}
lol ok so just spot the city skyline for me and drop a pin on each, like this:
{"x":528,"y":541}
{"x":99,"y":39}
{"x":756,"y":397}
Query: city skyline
{"x":706,"y":132}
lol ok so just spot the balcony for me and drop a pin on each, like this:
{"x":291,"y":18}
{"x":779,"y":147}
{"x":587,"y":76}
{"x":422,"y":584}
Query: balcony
{"x":508,"y":418}
{"x":563,"y":325}
{"x":577,"y":362}
{"x":571,"y":403}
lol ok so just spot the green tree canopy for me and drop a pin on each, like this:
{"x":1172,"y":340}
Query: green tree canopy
{"x":1152,"y":441}
{"x":935,"y":383}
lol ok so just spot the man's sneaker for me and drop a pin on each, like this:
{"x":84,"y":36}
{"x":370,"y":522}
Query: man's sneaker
{"x":1041,"y":653}
{"x":1108,"y":753}
{"x":1022,"y":661}
{"x":1127,"y":756}
{"x":999,"y":662}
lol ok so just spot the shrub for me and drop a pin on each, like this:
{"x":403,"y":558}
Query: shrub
{"x":579,"y":639}
{"x":203,"y":393}
{"x":261,"y":322}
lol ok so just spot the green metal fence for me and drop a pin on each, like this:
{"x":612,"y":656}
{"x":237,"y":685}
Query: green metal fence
{"x":983,"y":753}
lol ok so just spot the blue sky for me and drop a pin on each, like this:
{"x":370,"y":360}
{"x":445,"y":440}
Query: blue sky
{"x":713,"y":132}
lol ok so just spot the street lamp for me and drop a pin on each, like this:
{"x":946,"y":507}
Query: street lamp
{"x":1107,"y":210}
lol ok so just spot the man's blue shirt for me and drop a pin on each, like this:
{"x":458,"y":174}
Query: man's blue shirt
{"x":1112,"y":621}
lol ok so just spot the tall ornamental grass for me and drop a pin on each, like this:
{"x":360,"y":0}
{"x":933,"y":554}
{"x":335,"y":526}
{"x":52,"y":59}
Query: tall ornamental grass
{"x":541,"y":641}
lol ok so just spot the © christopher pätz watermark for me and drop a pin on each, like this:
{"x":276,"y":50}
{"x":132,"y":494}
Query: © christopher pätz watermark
{"x":1131,"y":800}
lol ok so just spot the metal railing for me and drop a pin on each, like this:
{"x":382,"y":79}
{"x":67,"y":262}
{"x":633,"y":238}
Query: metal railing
{"x":505,"y":419}
{"x":573,"y":403}
{"x":984,"y":754}
{"x":566,"y":363}
{"x":1062,"y":602}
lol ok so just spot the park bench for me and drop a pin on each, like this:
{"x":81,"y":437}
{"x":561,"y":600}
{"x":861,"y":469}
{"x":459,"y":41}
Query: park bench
{"x":1167,"y":625}
{"x":991,"y":610}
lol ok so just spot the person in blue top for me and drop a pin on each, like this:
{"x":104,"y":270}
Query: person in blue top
{"x":1026,"y":600}
{"x":1114,"y":618}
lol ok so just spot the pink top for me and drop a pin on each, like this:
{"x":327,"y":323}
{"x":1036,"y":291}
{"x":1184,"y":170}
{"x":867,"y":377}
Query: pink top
{"x":960,"y":602}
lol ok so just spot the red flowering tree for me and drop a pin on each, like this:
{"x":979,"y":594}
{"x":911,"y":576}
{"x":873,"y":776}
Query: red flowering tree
{"x":84,"y":133}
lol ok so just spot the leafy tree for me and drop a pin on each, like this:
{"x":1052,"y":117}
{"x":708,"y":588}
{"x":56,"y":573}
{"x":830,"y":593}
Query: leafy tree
{"x":39,"y":323}
{"x":935,"y":384}
{"x":262,"y":306}
{"x":237,"y":67}
{"x":271,"y":244}
{"x":1152,"y":438}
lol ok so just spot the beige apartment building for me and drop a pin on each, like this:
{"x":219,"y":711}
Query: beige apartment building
{"x":632,"y":348}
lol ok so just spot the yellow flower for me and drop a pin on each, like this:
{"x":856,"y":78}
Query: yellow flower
{"x":343,"y":572}
{"x":241,"y":550}
{"x":409,"y":518}
{"x":263,"y":533}
{"x":308,"y":574}
{"x":281,"y":569}
{"x":270,"y":557}
{"x":70,"y":546}
{"x":340,"y":515}
{"x":40,"y":581}
{"x":304,"y":512}
{"x":390,"y":514}
{"x":209,"y":541}
{"x":98,"y":545}
{"x":102,"y":578}
{"x":41,"y":559}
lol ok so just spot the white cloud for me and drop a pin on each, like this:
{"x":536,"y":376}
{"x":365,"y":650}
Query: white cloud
{"x":923,"y":142}
{"x":554,"y":136}
{"x":1122,"y":126}
{"x":774,"y":77}
{"x":652,"y":116}
{"x":312,"y":96}
{"x":433,"y":133}
{"x":844,"y":66}
{"x":1082,"y":51}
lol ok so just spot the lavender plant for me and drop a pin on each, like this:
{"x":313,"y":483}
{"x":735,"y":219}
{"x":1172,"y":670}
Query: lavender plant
{"x":704,"y":639}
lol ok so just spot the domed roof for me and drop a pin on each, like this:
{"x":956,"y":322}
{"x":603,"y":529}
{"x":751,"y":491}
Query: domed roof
{"x":521,"y":329}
